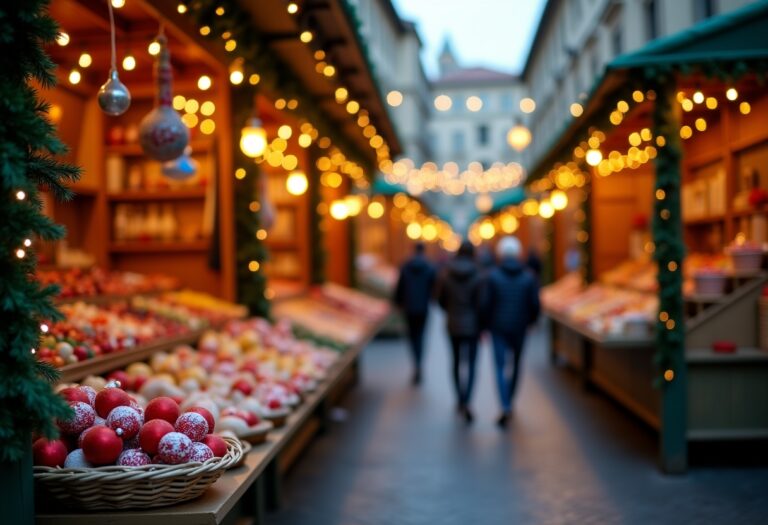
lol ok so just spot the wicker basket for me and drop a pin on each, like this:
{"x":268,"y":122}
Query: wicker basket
{"x":115,"y":487}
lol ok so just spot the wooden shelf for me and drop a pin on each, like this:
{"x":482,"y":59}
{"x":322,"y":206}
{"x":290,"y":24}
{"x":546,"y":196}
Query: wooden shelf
{"x":707,"y":355}
{"x":109,"y":362}
{"x":703,"y":220}
{"x":109,"y":299}
{"x":134,"y":150}
{"x":744,"y":213}
{"x":160,"y":246}
{"x":84,"y":191}
{"x":706,"y":298}
{"x":193,"y":193}
{"x":282,"y":245}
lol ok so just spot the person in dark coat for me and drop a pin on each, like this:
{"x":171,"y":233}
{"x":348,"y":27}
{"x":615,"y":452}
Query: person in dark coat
{"x":458,"y":294}
{"x":510,"y":306}
{"x":534,"y":264}
{"x":412,"y":294}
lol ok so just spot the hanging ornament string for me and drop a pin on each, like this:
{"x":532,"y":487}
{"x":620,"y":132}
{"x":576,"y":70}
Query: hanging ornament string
{"x":114,"y":98}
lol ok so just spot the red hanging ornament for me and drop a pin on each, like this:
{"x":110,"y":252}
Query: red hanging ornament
{"x":162,"y":134}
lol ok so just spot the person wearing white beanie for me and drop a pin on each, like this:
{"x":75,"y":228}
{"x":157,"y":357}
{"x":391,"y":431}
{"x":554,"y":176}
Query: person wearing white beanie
{"x":510,"y":306}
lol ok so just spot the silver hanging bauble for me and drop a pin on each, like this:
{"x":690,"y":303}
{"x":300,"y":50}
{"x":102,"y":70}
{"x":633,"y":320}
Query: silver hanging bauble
{"x":114,"y":97}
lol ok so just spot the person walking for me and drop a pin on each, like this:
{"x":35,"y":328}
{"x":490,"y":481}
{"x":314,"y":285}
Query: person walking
{"x":412,"y":295}
{"x":458,"y":294}
{"x":511,"y":305}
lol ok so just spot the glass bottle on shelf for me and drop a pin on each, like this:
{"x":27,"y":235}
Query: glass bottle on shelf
{"x":121,"y":223}
{"x":168,"y":224}
{"x":152,"y":224}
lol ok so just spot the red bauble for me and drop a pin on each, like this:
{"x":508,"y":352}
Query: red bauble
{"x":243,"y":386}
{"x":162,"y":408}
{"x":217,"y":445}
{"x":83,"y":418}
{"x":192,"y":425}
{"x":250,"y":418}
{"x":200,"y":452}
{"x":49,"y":453}
{"x":133,"y":457}
{"x":122,"y":378}
{"x":174,"y":448}
{"x":85,"y":432}
{"x":74,"y":394}
{"x":102,"y":446}
{"x":274,"y":404}
{"x":109,"y":399}
{"x":91,"y":393}
{"x":151,"y":434}
{"x":125,"y":421}
{"x":207,"y":415}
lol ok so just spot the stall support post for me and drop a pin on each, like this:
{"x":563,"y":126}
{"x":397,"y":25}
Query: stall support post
{"x":17,"y":503}
{"x":273,"y":480}
{"x":669,"y":255}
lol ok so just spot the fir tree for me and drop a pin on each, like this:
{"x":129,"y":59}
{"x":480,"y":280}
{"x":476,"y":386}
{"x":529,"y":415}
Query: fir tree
{"x":28,"y":163}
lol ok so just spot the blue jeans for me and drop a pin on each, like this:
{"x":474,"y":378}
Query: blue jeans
{"x":507,"y":350}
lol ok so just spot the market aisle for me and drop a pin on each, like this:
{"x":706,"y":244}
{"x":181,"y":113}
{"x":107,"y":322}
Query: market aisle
{"x":403,"y":457}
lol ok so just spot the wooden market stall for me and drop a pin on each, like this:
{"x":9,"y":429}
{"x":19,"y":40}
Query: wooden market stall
{"x":222,"y":222}
{"x":665,"y":176}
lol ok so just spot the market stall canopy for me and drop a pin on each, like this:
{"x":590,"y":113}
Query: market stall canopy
{"x":335,"y":26}
{"x":724,"y":45}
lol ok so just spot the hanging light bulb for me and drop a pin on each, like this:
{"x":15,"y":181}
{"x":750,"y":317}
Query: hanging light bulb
{"x":75,"y":77}
{"x":62,"y":39}
{"x":559,"y":200}
{"x":114,"y":98}
{"x":339,"y":210}
{"x":154,"y":48}
{"x":546,"y":210}
{"x":698,"y":97}
{"x":253,"y":138}
{"x":731,"y":94}
{"x":117,"y":4}
{"x":204,"y":83}
{"x":519,"y":137}
{"x":297,"y":183}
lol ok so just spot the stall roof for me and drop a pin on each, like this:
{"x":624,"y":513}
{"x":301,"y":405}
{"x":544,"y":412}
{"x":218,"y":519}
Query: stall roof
{"x":728,"y":38}
{"x":738,"y":35}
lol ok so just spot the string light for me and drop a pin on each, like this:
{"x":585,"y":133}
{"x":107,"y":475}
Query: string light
{"x":576,"y":109}
{"x":204,"y":83}
{"x":731,"y":94}
{"x":698,"y":97}
{"x":153,"y":48}
{"x":353,"y":107}
{"x":527,"y":105}
{"x":297,"y":183}
{"x":44,"y":328}
{"x":191,"y":106}
{"x":261,"y":234}
{"x":686,"y":132}
{"x":443,"y":102}
{"x":711,"y":103}
{"x":129,"y":62}
{"x":220,"y":11}
{"x":745,"y":108}
{"x":341,"y":94}
{"x":62,"y":38}
{"x":306,"y":36}
{"x":75,"y":77}
{"x":207,"y":108}
{"x":85,"y":60}
{"x":593,"y":157}
{"x":236,"y":77}
{"x":253,"y":266}
{"x":339,"y":210}
{"x":20,"y":195}
{"x":117,"y":4}
{"x":181,"y":8}
{"x":254,"y":79}
{"x":207,"y":126}
{"x":394,"y":98}
{"x":230,"y":45}
{"x":292,"y":8}
{"x":205,"y":30}
{"x":474,"y":103}
{"x":669,"y":375}
{"x":27,"y":242}
{"x":375,"y":210}
{"x":20,"y":253}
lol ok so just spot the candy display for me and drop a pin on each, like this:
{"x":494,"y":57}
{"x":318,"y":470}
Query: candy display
{"x":352,"y":301}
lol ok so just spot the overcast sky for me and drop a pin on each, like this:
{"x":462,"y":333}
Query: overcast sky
{"x":494,"y":33}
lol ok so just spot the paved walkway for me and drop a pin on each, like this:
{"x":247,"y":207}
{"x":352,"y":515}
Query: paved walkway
{"x":403,"y":457}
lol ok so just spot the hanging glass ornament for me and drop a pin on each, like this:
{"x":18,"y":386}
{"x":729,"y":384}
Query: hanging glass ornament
{"x":162,"y":134}
{"x":181,"y":168}
{"x":114,"y":98}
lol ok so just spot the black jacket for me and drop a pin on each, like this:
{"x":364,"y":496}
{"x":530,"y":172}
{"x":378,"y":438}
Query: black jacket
{"x":414,"y":286}
{"x":510,"y":299}
{"x":459,"y":295}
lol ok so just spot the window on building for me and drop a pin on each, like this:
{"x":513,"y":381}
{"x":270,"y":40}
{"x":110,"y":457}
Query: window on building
{"x":703,"y":9}
{"x":457,"y":141}
{"x":617,"y":41}
{"x":482,"y":134}
{"x":507,"y":102}
{"x":651,"y":19}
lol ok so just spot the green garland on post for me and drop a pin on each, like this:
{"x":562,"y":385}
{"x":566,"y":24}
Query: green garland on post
{"x":27,"y":161}
{"x":317,"y":253}
{"x":251,"y":253}
{"x":667,"y":230}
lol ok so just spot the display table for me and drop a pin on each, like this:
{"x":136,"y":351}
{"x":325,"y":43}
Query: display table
{"x":259,"y":474}
{"x":726,"y":393}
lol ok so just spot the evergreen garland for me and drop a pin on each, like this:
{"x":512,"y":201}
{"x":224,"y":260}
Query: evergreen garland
{"x":317,"y":255}
{"x":667,"y":229}
{"x":27,"y":162}
{"x":251,"y":285}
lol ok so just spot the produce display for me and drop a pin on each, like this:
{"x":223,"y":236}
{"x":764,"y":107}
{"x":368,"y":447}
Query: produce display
{"x":90,"y":330}
{"x":95,"y":281}
{"x":352,"y":301}
{"x":248,"y":376}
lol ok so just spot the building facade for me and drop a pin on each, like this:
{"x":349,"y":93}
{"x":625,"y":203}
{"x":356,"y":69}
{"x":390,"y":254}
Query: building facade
{"x":395,"y":50}
{"x":577,"y":38}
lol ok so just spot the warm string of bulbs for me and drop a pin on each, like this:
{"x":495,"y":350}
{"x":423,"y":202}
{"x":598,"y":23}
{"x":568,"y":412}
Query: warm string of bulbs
{"x":450,"y":180}
{"x":643,"y":147}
